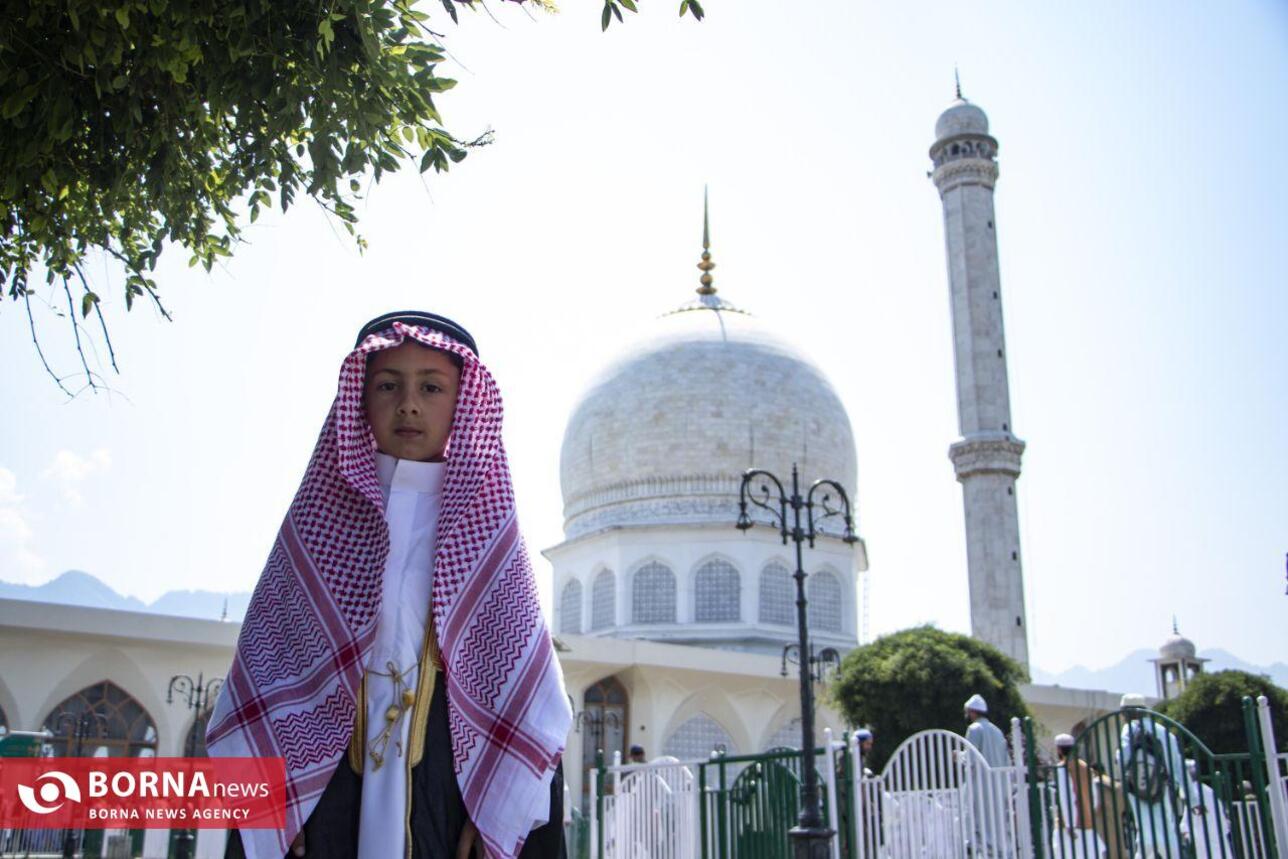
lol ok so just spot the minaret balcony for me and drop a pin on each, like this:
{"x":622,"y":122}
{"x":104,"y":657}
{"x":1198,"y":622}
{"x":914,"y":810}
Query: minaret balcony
{"x":987,"y":453}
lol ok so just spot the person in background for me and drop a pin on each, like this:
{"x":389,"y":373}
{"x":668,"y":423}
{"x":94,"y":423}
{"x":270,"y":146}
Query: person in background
{"x":866,"y":740}
{"x":989,"y":803}
{"x":1074,"y":835}
{"x":1207,"y":826}
{"x":1158,"y":787}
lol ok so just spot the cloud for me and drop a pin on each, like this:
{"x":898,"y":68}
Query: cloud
{"x":18,"y":562}
{"x":70,"y":469}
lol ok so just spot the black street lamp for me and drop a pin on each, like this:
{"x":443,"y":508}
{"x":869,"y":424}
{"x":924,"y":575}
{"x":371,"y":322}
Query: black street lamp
{"x":79,"y":726}
{"x":198,"y":697}
{"x":598,"y":720}
{"x":810,"y":838}
{"x":826,"y":661}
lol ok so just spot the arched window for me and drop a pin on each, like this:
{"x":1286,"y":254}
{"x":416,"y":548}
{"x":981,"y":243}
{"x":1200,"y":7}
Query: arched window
{"x":776,"y":603}
{"x":570,"y":608}
{"x":602,"y":723}
{"x":697,"y":738}
{"x":653,"y":594}
{"x":823,"y":593}
{"x":788,"y":736}
{"x":603,"y":601}
{"x":122,"y":729}
{"x":717,"y":592}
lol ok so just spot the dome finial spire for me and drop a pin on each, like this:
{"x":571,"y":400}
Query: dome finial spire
{"x":706,"y":264}
{"x":1175,"y":630}
{"x":957,"y":78}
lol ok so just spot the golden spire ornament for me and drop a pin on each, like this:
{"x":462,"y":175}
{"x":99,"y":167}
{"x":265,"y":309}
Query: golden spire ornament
{"x":706,"y":264}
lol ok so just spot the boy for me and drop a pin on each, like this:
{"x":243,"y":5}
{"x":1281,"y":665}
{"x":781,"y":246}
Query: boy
{"x":393,"y":652}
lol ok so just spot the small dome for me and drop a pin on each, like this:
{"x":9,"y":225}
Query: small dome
{"x":1177,"y":646}
{"x":961,"y":117}
{"x":666,"y":431}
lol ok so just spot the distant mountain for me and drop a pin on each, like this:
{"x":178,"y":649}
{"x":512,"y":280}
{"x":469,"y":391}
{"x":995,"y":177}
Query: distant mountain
{"x":1135,"y":672}
{"x":206,"y":604}
{"x":75,"y":587}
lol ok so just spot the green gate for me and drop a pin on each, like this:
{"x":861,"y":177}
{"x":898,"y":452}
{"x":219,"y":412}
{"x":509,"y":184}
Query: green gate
{"x":750,"y":802}
{"x":1154,"y":789}
{"x":746,"y":804}
{"x":764,"y":803}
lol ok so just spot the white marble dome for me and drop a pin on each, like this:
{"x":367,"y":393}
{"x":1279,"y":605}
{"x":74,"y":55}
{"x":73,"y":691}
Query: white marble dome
{"x":961,"y":117}
{"x":665,"y":432}
{"x":1177,"y":646}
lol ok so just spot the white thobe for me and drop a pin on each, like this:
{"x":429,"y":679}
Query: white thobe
{"x":990,"y":798}
{"x":990,"y":741}
{"x":1209,"y":831}
{"x":412,"y":492}
{"x":1157,"y":831}
{"x":1068,"y":840}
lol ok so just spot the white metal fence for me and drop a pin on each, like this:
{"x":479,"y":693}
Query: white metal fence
{"x":937,"y":798}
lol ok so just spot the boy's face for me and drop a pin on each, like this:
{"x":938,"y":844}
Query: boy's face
{"x":410,"y":398}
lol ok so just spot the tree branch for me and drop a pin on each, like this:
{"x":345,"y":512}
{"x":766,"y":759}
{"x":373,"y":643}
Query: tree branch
{"x":98,"y":311}
{"x":71,"y":313}
{"x":161,"y":307}
{"x":31,"y":321}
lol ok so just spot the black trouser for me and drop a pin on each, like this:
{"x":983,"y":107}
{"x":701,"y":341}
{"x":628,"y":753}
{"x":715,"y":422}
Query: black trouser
{"x":438,"y":811}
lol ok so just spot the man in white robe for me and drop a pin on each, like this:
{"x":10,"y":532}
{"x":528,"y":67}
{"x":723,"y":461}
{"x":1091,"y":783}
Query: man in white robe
{"x":990,"y":801}
{"x":1207,"y":825}
{"x":1158,"y":831}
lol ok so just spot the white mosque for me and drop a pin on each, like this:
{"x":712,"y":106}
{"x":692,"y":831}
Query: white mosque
{"x":670,"y":623}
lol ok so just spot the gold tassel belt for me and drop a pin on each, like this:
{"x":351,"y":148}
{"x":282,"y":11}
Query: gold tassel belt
{"x":429,"y":659}
{"x":429,"y":656}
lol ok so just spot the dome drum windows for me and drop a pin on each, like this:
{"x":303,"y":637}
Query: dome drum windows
{"x":570,"y":609}
{"x":603,"y":601}
{"x":717,"y":593}
{"x":653,"y":594}
{"x":823,"y":593}
{"x":776,"y":596}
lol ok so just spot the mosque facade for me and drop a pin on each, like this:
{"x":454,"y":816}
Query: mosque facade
{"x":670,"y":623}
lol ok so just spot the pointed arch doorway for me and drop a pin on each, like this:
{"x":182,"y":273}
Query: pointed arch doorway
{"x":602,"y":721}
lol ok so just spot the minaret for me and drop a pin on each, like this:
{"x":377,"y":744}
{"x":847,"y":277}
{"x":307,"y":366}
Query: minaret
{"x":987,"y":457}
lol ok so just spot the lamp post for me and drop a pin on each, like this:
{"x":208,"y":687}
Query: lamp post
{"x":597,"y":720}
{"x":78,"y":728}
{"x":810,"y":838}
{"x":196,"y":696}
{"x":827,"y":660}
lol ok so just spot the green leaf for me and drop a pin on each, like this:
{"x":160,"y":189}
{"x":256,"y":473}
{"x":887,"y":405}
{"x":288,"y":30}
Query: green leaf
{"x":607,"y":16}
{"x":88,"y":300}
{"x":629,"y":4}
{"x":123,"y":17}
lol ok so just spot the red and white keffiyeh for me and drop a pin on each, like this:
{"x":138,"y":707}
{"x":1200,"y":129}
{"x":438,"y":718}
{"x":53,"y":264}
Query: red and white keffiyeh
{"x":311,"y":622}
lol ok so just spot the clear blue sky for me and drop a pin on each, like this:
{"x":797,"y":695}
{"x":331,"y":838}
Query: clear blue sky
{"x":1142,"y":224}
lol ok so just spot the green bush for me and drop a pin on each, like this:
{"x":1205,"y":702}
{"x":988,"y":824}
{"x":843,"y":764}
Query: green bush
{"x":1211,"y":707}
{"x":918,"y":679}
